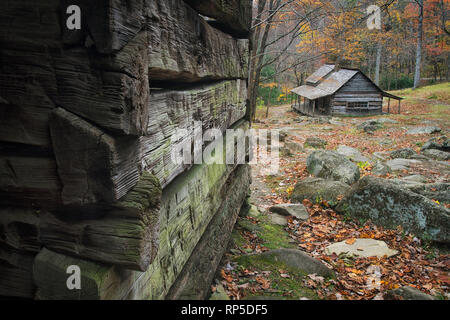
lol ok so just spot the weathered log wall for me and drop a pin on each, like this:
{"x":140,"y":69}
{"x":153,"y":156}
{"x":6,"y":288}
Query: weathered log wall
{"x":88,"y":120}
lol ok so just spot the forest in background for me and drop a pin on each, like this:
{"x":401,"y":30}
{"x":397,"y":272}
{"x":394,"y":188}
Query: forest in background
{"x":291,"y":38}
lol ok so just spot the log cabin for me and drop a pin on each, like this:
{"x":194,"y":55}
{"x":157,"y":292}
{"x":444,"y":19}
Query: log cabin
{"x":340,"y":91}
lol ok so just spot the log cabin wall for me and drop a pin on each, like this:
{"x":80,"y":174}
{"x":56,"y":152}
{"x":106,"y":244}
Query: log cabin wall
{"x":87,"y":119}
{"x":357,"y":97}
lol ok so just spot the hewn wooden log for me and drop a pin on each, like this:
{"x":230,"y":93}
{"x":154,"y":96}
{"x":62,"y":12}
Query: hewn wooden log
{"x":50,"y":275}
{"x":110,"y":91}
{"x":16,"y":276}
{"x":110,"y":23}
{"x":184,"y":48}
{"x":124,"y":234}
{"x":28,"y":31}
{"x":26,"y":180}
{"x":233,"y":16}
{"x":209,"y":250}
{"x":214,"y":106}
{"x":93,"y":166}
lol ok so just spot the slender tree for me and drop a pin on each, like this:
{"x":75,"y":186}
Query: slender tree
{"x":419,"y":44}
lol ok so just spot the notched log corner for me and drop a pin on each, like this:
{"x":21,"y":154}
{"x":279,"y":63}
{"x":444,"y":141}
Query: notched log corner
{"x":231,"y":16}
{"x":125,"y":234}
{"x":110,"y":23}
{"x":92,"y":165}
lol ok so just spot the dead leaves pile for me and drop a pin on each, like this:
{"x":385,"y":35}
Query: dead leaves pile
{"x":415,"y":265}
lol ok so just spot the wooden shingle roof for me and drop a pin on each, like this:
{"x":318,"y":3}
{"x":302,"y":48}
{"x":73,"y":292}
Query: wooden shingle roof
{"x":327,"y":80}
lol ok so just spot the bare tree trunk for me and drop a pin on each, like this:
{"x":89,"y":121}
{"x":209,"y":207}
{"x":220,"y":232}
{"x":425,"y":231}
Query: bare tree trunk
{"x":378,"y":64}
{"x":268,"y":102}
{"x":258,"y":55}
{"x":419,"y":45}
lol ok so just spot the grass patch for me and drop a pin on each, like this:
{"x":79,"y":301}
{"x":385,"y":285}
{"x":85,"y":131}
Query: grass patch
{"x":291,"y":288}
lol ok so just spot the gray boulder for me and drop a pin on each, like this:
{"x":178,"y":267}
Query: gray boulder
{"x":433,"y":191}
{"x":401,"y":164}
{"x":332,"y":165}
{"x":316,"y":189}
{"x":298,"y":260}
{"x":390,"y":204}
{"x":370,"y":126}
{"x":351,"y":153}
{"x":386,"y":120}
{"x":287,"y":209}
{"x":424,"y":130}
{"x":381,"y":169}
{"x":441,"y":143}
{"x":315,"y":142}
{"x":436,"y":154}
{"x":406,"y":153}
{"x":414,"y":179}
{"x":294,"y":147}
{"x":407,"y":293}
{"x":283,"y":135}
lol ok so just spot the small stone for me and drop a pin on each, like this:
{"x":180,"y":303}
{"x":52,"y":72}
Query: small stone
{"x":294,"y":147}
{"x":278,"y":219}
{"x":407,"y":293}
{"x":315,"y":142}
{"x":362,"y":248}
{"x":424,"y":130}
{"x":381,"y":169}
{"x":220,"y":293}
{"x":296,"y":210}
{"x":299,"y":260}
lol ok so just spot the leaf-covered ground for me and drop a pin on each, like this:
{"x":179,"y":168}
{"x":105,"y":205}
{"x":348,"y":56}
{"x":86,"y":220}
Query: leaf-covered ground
{"x":418,"y":264}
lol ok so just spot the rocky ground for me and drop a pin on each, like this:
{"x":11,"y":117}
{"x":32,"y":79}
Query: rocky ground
{"x":358,"y":210}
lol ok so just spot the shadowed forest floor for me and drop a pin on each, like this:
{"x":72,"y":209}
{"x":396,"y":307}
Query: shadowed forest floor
{"x":419,"y":264}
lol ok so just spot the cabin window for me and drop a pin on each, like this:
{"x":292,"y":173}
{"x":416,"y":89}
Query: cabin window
{"x":357,"y":106}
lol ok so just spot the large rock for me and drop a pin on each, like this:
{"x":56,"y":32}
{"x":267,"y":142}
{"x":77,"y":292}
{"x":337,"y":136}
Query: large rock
{"x":297,"y":259}
{"x":370,"y":126}
{"x":316,"y":189}
{"x":401,"y":164}
{"x":315,"y":142}
{"x":351,"y":153}
{"x":441,"y":143}
{"x":424,"y":130}
{"x":407,"y":293}
{"x":406,"y":153}
{"x":286,"y":209}
{"x":389,"y":204}
{"x":436,"y":154}
{"x":332,"y":165}
{"x":433,"y":191}
{"x":361,"y":248}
